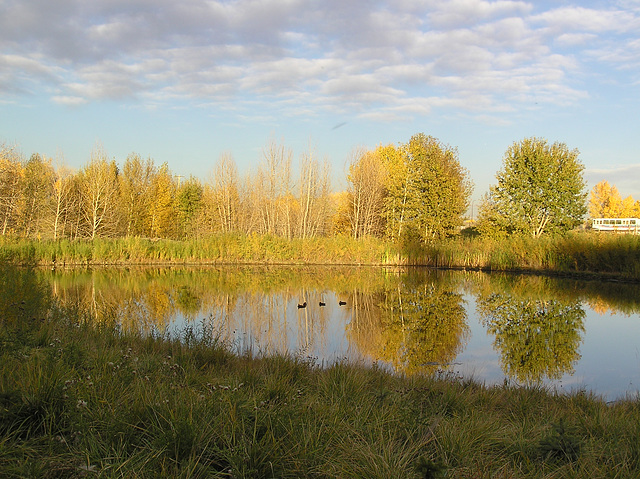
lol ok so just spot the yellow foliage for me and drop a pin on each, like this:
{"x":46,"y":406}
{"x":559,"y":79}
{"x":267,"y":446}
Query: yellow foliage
{"x":606,"y":202}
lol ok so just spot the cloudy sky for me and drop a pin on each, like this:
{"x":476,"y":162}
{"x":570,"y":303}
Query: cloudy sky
{"x":185,"y":81}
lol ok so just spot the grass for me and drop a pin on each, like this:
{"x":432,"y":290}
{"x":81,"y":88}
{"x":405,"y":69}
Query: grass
{"x":78,"y":400}
{"x":216,"y":249}
{"x":577,"y":253}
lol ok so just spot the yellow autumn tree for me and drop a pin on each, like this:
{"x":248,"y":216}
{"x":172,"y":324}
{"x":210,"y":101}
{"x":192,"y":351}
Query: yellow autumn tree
{"x":162,"y":209}
{"x":11,"y":179}
{"x":606,"y":202}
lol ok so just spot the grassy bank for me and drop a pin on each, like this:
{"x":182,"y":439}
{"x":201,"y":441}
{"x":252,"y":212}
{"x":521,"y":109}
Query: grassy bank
{"x":224,"y":248}
{"x":76,"y":401}
{"x":578,"y":253}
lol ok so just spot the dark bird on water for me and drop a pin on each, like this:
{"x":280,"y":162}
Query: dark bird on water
{"x":342,"y":303}
{"x":322,"y":304}
{"x":303,"y":305}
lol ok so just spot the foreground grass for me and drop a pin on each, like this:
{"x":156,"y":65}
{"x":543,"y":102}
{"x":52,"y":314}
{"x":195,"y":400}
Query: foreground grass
{"x":578,"y":253}
{"x":76,"y":401}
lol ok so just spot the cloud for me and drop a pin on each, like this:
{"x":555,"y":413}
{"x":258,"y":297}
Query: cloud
{"x":455,"y":13}
{"x":568,"y":19}
{"x":69,"y":100}
{"x":358,"y":56}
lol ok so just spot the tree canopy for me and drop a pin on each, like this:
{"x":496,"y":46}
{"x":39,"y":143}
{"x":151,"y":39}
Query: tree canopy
{"x":428,"y":190}
{"x":540,"y":189}
{"x":605,"y":202}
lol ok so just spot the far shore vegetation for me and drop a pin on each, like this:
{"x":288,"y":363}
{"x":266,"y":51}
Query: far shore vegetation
{"x":586,"y":254}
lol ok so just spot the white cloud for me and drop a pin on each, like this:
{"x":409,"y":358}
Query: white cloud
{"x":568,"y":19}
{"x":69,"y":100}
{"x":454,"y":13}
{"x":575,"y":39}
{"x":349,"y":56}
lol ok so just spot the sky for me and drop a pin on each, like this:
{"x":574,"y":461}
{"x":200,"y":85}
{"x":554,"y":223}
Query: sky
{"x":184,"y":82}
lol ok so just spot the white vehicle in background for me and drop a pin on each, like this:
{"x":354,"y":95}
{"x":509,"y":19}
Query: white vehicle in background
{"x":617,"y":225}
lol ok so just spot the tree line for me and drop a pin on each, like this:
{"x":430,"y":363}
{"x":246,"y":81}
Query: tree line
{"x":414,"y":191}
{"x":41,"y":200}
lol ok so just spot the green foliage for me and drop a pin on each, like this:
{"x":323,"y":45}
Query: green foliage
{"x":587,"y":254}
{"x":189,"y":203}
{"x":540,"y":189}
{"x":221,"y":248}
{"x":428,"y":469}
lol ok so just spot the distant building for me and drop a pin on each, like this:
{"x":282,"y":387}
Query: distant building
{"x":617,"y":225}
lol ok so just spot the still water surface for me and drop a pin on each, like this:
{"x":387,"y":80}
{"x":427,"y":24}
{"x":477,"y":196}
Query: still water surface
{"x":523,"y":329}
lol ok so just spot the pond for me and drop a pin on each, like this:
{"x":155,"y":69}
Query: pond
{"x":521,"y":329}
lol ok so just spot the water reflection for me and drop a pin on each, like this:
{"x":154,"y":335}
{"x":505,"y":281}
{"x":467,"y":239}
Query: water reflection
{"x":24,"y":296}
{"x":535,"y":339}
{"x":423,"y":325}
{"x":414,"y":320}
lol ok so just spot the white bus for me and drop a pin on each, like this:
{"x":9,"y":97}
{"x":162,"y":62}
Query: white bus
{"x":621,"y":225}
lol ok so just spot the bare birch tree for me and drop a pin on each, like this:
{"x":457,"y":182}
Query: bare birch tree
{"x":366,"y":193}
{"x":225,"y":192}
{"x":313,"y":196}
{"x":62,"y":199}
{"x":274,"y":179}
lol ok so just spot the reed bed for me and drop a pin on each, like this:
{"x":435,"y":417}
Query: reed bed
{"x":83,"y":401}
{"x":581,"y":253}
{"x":227,"y":248}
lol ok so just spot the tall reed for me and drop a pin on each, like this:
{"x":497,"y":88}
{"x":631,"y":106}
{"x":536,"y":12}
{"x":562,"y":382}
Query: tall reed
{"x":576,"y":253}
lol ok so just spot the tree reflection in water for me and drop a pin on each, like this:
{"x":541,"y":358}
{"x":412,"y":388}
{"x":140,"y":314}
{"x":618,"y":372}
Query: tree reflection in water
{"x":23,"y":296}
{"x":414,"y":319}
{"x":535,"y":338}
{"x":424,"y":326}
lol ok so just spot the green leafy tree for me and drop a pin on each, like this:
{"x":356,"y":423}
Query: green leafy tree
{"x":189,"y":203}
{"x":429,"y":192}
{"x":540,"y":189}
